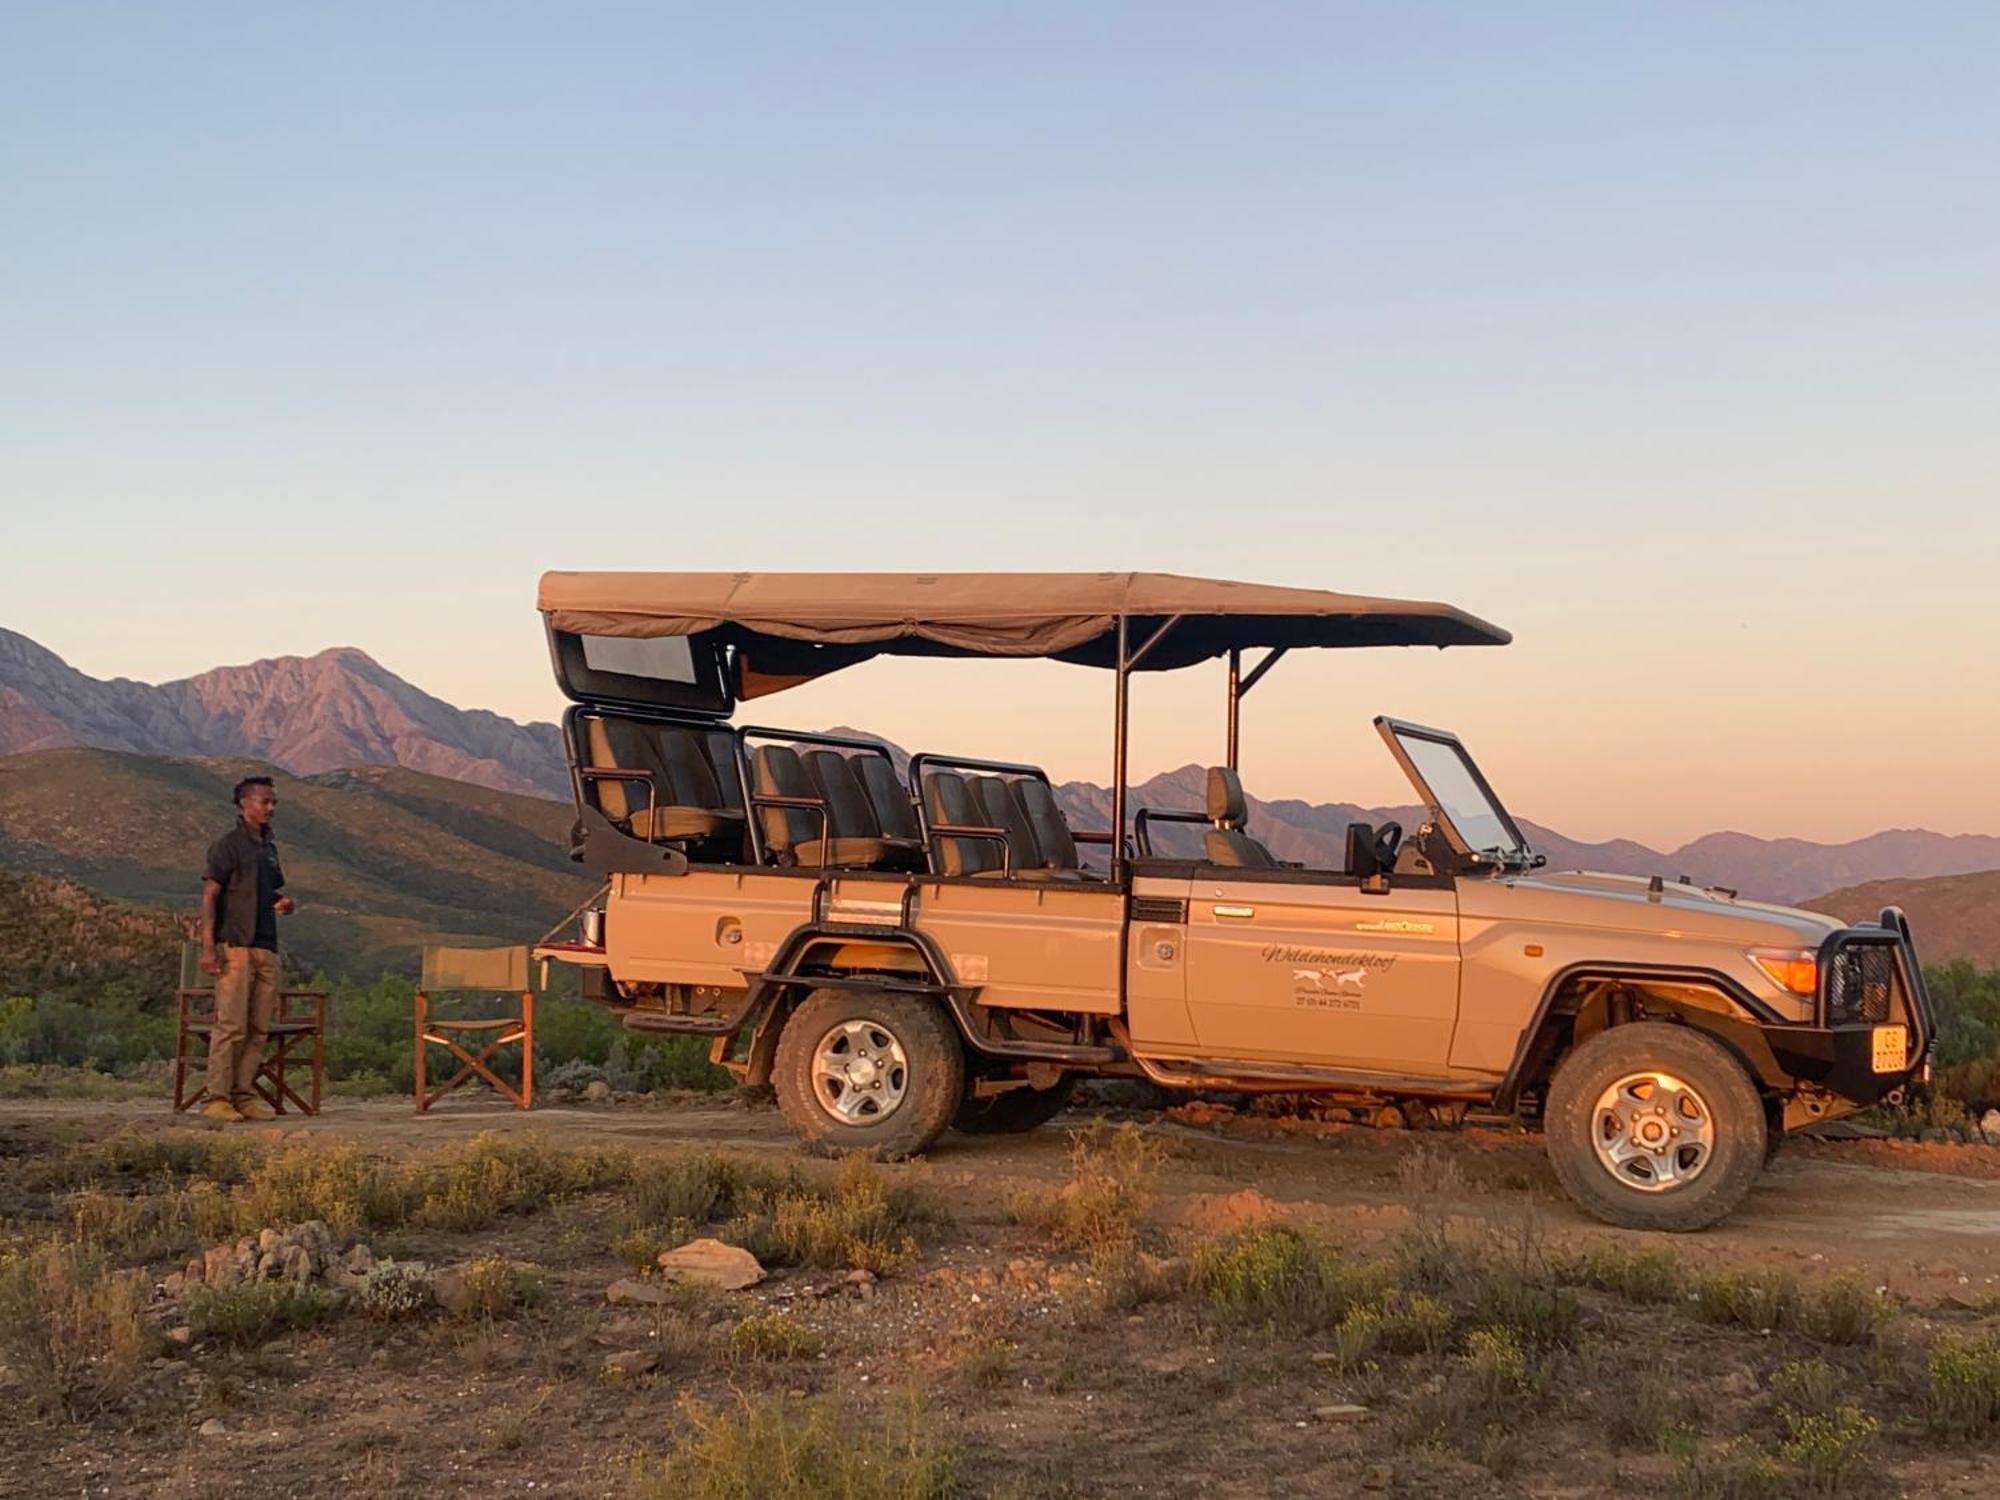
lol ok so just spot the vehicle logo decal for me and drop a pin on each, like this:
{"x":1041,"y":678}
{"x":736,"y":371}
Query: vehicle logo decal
{"x":1326,"y":979}
{"x":1398,"y":924}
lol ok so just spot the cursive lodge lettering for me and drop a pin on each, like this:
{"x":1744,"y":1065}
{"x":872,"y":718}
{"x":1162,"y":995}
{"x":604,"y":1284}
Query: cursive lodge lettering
{"x":1326,"y":958}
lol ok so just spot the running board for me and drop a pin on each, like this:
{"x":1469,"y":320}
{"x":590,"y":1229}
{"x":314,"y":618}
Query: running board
{"x":1283,"y":1078}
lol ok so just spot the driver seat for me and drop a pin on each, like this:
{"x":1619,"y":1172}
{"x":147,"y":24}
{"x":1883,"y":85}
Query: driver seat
{"x":1226,"y":843}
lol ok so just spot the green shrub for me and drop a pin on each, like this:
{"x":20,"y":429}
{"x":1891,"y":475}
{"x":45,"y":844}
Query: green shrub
{"x":1757,"y":1300}
{"x":787,"y":1449}
{"x":1843,"y":1312}
{"x":1276,"y":1275}
{"x":1828,"y":1446}
{"x":493,"y":1286}
{"x":1635,"y":1275}
{"x":251,"y":1312}
{"x":773,"y":1336}
{"x":1736,"y":1470}
{"x":392,"y":1290}
{"x":1807,"y":1386}
{"x":1962,"y":1398}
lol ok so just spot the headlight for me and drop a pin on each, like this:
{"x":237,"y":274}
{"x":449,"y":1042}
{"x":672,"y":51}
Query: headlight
{"x":1794,"y":970}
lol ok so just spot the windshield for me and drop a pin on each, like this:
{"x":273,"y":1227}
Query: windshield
{"x":1446,"y":777}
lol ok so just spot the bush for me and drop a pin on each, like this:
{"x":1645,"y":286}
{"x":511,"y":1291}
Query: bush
{"x":1635,"y":1275}
{"x":71,"y":1327}
{"x":495,"y":1287}
{"x":1110,"y":1186}
{"x":1758,"y":1300}
{"x":251,"y":1312}
{"x":1735,"y":1470}
{"x":314,"y":1180}
{"x":788,"y":1449}
{"x":137,"y":1227}
{"x":395,"y":1289}
{"x":773,"y":1336}
{"x":1828,"y":1446}
{"x":1276,"y":1275}
{"x":1844,"y":1312}
{"x":1962,"y":1398}
{"x":857,"y":1221}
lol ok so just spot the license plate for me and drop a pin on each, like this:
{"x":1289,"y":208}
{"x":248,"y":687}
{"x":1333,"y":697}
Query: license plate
{"x":1891,"y":1048}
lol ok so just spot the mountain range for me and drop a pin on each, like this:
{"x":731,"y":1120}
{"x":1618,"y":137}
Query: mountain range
{"x":342,"y":711}
{"x":307,"y":714}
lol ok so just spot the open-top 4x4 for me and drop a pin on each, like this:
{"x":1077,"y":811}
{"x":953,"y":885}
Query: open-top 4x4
{"x":901,"y":948}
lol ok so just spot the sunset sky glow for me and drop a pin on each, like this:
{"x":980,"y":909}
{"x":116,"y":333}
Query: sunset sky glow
{"x":1665,"y":338}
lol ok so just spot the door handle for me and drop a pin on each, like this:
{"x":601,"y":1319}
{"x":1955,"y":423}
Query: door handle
{"x":1234,"y":911}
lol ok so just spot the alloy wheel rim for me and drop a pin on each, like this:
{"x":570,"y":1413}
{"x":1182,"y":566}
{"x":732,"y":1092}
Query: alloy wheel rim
{"x":1652,"y":1132}
{"x":860,"y":1072}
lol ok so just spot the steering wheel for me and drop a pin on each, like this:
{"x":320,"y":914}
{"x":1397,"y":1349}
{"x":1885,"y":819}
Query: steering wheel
{"x":1388,"y":839}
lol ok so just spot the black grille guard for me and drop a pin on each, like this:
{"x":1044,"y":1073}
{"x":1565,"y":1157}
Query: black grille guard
{"x":1890,"y":930}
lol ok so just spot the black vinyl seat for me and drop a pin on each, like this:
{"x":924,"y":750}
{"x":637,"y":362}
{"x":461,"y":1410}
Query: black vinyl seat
{"x":894,"y":810}
{"x":1226,"y":843}
{"x":853,"y":813}
{"x":796,"y":833}
{"x":686,"y":803}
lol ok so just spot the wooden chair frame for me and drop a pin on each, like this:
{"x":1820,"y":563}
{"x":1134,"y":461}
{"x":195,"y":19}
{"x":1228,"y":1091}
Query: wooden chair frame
{"x":434,"y":1032}
{"x":289,"y":1028}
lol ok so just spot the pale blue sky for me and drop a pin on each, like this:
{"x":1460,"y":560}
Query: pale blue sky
{"x":1666,"y":336}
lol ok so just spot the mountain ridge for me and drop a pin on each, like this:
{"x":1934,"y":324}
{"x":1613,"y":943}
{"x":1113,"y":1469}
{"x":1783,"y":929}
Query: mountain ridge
{"x":341,"y":709}
{"x":308,"y":714}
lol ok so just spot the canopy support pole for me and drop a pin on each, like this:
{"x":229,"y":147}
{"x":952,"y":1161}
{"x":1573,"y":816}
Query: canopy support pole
{"x":1239,"y":685}
{"x":1128,"y":659}
{"x":1119,"y":706}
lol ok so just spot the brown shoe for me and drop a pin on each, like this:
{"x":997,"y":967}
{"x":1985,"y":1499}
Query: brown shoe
{"x":221,"y":1109}
{"x":254,"y":1109}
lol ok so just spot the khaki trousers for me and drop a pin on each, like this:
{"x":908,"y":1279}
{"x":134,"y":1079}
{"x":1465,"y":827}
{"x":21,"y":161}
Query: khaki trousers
{"x":246,"y":998}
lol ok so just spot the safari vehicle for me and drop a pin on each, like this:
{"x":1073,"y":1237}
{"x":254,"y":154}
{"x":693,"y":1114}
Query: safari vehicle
{"x":898,"y":949}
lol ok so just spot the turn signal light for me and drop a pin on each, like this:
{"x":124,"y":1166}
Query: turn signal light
{"x":1797,"y":972}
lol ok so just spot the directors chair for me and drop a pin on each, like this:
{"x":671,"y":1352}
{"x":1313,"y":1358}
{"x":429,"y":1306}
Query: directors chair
{"x":496,"y":973}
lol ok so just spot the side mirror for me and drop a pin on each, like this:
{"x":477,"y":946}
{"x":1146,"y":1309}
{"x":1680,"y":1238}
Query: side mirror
{"x":1361,"y":861}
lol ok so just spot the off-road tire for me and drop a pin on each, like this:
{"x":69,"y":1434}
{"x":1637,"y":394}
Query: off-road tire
{"x":931,"y":1047}
{"x":1711,"y":1071}
{"x":1014,"y":1112}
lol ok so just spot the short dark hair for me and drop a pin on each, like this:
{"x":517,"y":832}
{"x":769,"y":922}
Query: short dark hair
{"x":246,"y":783}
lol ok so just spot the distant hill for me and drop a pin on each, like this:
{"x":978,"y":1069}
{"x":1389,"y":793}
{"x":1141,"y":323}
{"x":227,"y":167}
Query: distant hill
{"x":1951,"y":916}
{"x":380,"y":859}
{"x":59,"y":939}
{"x":307,"y":714}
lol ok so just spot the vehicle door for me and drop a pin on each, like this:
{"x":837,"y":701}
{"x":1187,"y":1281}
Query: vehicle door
{"x":1303,"y":966}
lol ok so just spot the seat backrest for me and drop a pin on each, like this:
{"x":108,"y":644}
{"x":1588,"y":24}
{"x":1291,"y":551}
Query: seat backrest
{"x":888,"y":796}
{"x":996,"y":800}
{"x":1226,"y":843}
{"x":1052,"y":835}
{"x":777,"y":772}
{"x":612,"y":745}
{"x":690,"y":779}
{"x":721,"y":747}
{"x":947,"y":799}
{"x":1234,"y":848}
{"x":853,"y":815}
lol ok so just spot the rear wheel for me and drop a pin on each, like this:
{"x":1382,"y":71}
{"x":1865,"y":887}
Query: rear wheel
{"x":868,"y":1070}
{"x":1015,"y":1111}
{"x":1652,"y":1126}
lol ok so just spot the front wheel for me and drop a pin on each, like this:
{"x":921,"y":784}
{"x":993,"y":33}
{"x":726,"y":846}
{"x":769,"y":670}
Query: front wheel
{"x":1652,"y":1126}
{"x":868,"y":1070}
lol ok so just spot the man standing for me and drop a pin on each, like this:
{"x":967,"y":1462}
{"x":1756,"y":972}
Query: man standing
{"x":240,"y":907}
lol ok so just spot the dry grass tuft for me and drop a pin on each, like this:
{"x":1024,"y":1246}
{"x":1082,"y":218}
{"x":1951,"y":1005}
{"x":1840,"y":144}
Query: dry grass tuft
{"x":71,"y":1327}
{"x":1112,"y":1175}
{"x":782,"y":1448}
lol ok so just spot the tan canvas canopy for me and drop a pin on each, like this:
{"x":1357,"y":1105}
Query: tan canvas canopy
{"x":841,"y":618}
